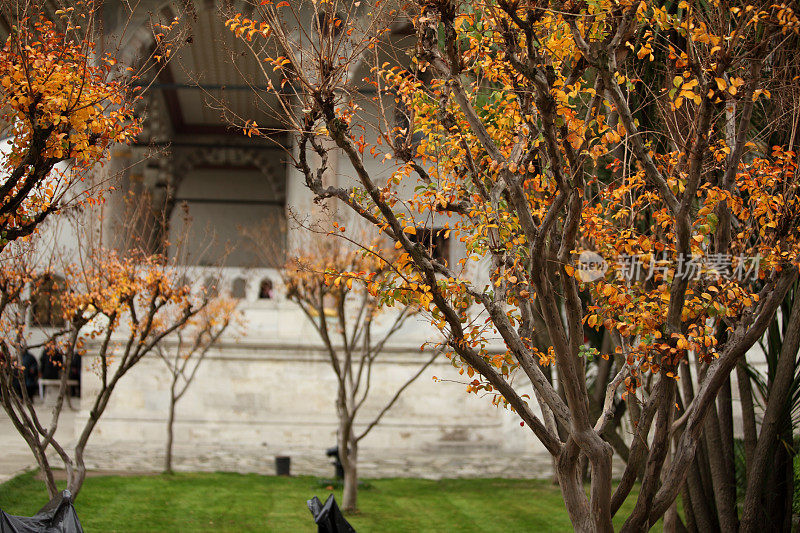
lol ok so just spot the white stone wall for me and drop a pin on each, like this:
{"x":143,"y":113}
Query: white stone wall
{"x":273,"y":393}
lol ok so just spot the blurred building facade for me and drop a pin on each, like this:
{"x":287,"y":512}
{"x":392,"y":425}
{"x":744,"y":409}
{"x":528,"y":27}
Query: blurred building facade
{"x":266,"y":389}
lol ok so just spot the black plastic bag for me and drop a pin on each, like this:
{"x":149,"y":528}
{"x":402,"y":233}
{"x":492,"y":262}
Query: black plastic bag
{"x":58,"y":516}
{"x":328,"y":517}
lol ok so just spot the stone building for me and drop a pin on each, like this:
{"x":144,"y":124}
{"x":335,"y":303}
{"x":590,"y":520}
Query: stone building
{"x":268,"y":391}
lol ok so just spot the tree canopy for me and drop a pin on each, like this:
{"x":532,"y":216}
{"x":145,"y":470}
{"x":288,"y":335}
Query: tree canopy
{"x":644,"y":134}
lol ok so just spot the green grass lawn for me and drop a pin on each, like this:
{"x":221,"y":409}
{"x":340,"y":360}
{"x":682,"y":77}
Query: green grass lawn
{"x":235,"y":502}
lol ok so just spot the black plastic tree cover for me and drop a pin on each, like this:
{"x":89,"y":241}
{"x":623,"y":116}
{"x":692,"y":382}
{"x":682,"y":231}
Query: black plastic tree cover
{"x":328,"y":517}
{"x":58,"y":516}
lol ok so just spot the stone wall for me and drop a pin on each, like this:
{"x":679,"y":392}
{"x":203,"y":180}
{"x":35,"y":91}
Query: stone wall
{"x":272,"y":393}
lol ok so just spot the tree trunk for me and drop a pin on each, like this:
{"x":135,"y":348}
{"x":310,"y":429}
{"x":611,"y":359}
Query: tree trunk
{"x":725,"y":417}
{"x":748,"y":411}
{"x":758,"y":491}
{"x":350,"y":490}
{"x":724,"y":490}
{"x":572,"y":490}
{"x":703,"y":509}
{"x":77,"y":473}
{"x":170,"y":431}
{"x":7,"y":393}
{"x":671,"y":516}
{"x":47,"y":473}
{"x":691,"y":523}
{"x":638,"y":520}
{"x":705,"y":484}
{"x":778,"y":500}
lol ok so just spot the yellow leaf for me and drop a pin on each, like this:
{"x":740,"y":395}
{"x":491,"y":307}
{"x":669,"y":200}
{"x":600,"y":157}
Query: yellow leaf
{"x":411,"y":230}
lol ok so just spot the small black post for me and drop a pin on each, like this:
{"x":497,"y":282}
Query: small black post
{"x":337,"y":462}
{"x":283,"y":465}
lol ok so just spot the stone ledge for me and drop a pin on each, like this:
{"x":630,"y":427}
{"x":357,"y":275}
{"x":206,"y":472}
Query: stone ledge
{"x":261,"y":460}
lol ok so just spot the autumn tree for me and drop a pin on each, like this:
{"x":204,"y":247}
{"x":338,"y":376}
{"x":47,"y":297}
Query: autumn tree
{"x":544,"y":130}
{"x":354,"y":331}
{"x":184,"y":354}
{"x":117,"y":309}
{"x":63,"y":104}
{"x":65,"y":101}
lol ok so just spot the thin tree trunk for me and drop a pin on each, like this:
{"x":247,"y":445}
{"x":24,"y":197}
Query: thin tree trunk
{"x":77,"y":474}
{"x":688,"y":512}
{"x":671,"y":516}
{"x":702,"y":507}
{"x":778,"y":503}
{"x":659,"y":449}
{"x":705,"y":483}
{"x":789,"y":480}
{"x":768,"y":440}
{"x":724,"y":498}
{"x":572,"y":490}
{"x":725,"y":413}
{"x":47,"y":472}
{"x":748,"y":411}
{"x":699,"y":486}
{"x":672,"y":520}
{"x":350,"y":490}
{"x":170,"y":432}
{"x":348,"y":449}
{"x":787,"y":469}
{"x":29,"y":434}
